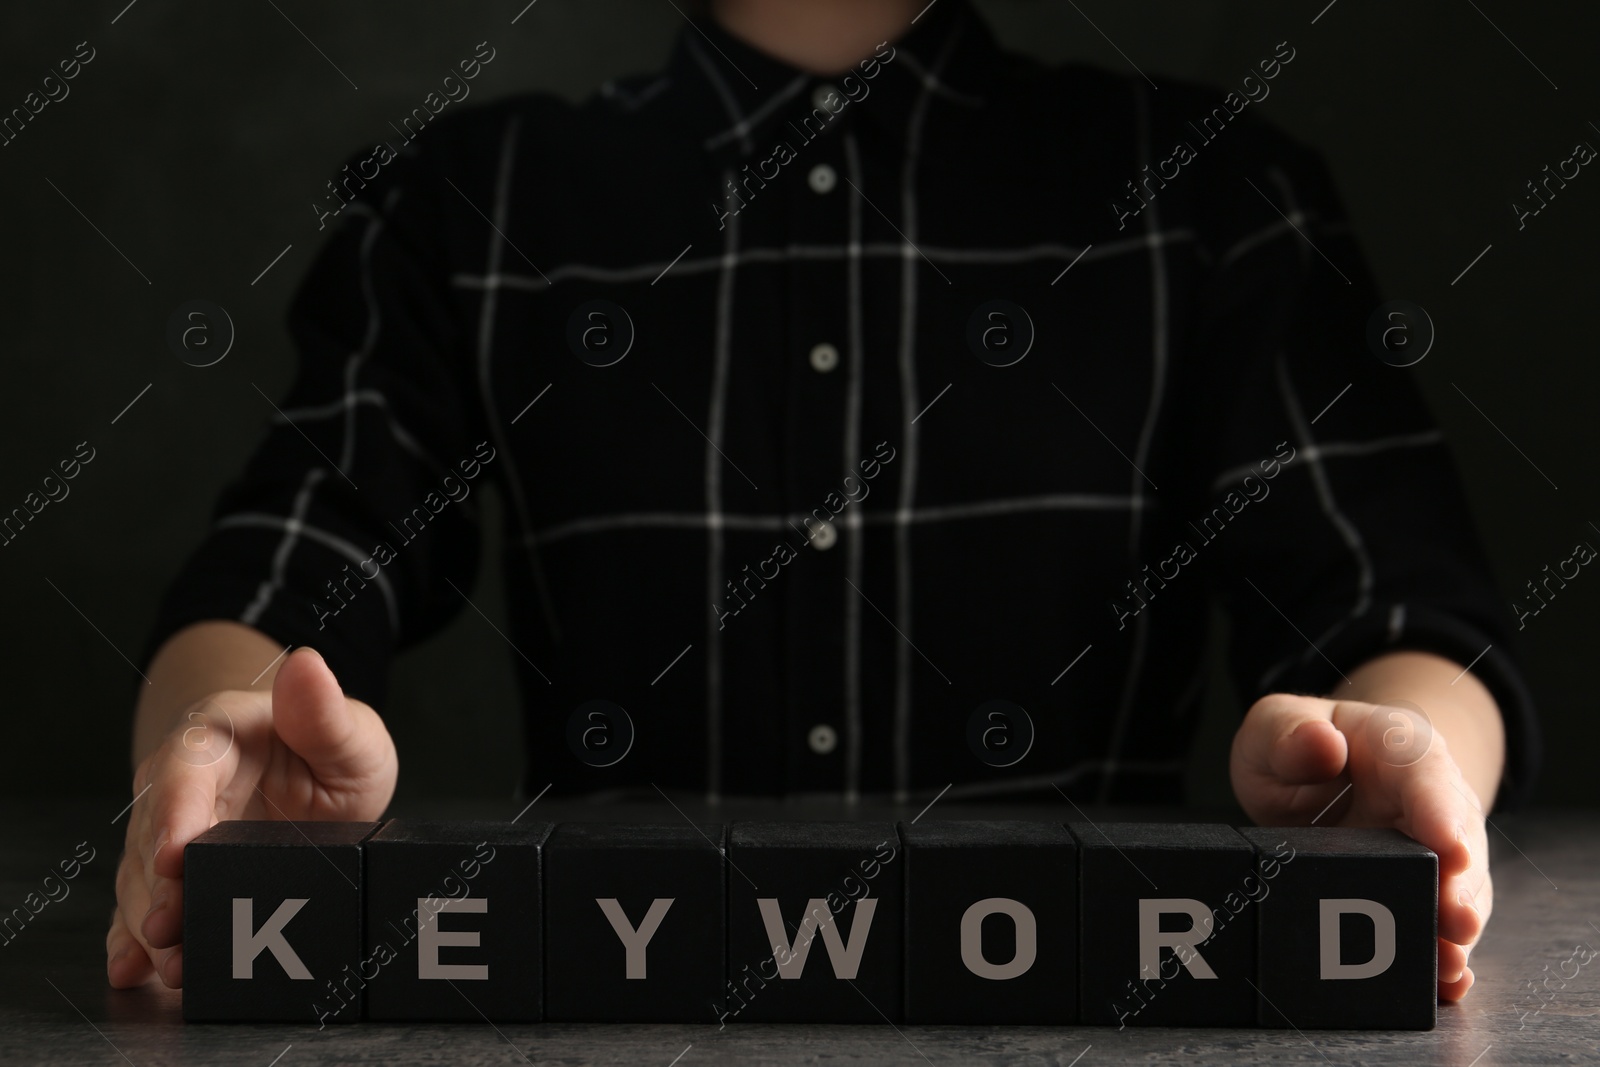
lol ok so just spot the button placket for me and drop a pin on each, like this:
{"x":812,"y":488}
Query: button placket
{"x":818,"y":323}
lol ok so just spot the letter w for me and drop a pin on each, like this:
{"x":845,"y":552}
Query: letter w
{"x":247,"y":945}
{"x":846,"y":958}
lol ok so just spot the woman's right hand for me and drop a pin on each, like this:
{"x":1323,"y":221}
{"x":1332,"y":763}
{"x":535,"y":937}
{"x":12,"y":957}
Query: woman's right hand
{"x":304,"y":751}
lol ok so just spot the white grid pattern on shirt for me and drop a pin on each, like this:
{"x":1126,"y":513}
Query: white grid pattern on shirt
{"x":931,"y":82}
{"x":714,"y":546}
{"x":374,"y":397}
{"x":369,"y":340}
{"x":1281,"y":180}
{"x":1272,"y":231}
{"x":718,"y":83}
{"x":294,"y":528}
{"x":742,"y":128}
{"x":486,"y":323}
{"x":789,"y":253}
{"x":1319,"y":476}
{"x":634,"y":101}
{"x":695,"y":520}
{"x":1330,"y":507}
{"x":1335,"y":449}
{"x":910,"y":408}
{"x":302,"y":503}
{"x":906,"y":514}
{"x":280,"y":557}
{"x":1158,"y":375}
{"x":855,"y":546}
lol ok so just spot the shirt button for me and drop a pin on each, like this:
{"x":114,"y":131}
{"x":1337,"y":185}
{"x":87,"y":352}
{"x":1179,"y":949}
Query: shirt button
{"x":825,"y":537}
{"x":820,"y":95}
{"x":822,"y":179}
{"x":822,"y":739}
{"x":824,"y":358}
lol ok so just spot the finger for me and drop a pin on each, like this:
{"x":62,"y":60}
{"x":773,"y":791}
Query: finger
{"x":149,"y":916}
{"x":127,"y":957}
{"x":1292,"y":739}
{"x":189,"y":772}
{"x":1452,"y":962}
{"x":1457,"y":989}
{"x":133,"y":901}
{"x":169,"y":965}
{"x":162,"y":925}
{"x":1463,"y":923}
{"x":182,"y":805}
{"x":338,"y":740}
{"x":187,"y":777}
{"x":1438,"y":810}
{"x":127,"y":964}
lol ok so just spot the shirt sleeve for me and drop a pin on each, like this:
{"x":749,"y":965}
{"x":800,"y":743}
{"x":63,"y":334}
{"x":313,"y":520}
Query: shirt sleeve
{"x":356,"y":512}
{"x":1340,"y":525}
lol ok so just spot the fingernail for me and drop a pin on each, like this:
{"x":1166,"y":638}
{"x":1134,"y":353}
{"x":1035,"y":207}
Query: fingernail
{"x":157,"y":902}
{"x":117,"y":955}
{"x":1464,"y":898}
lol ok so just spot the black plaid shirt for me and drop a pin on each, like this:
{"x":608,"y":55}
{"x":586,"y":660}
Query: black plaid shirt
{"x":896,"y":401}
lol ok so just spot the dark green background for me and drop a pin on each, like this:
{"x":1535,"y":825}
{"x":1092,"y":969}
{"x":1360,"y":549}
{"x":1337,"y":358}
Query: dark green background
{"x":200,"y":134}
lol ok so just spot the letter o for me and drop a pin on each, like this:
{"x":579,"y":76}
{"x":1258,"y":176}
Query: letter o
{"x":972,"y":938}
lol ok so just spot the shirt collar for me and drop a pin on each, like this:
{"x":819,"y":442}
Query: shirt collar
{"x":738,"y":100}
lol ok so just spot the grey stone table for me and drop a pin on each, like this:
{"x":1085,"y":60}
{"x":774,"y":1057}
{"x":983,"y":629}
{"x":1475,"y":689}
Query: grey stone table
{"x":55,"y":1006}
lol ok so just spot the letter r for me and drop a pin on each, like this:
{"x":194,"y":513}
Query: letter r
{"x":247,"y":945}
{"x":1152,"y":939}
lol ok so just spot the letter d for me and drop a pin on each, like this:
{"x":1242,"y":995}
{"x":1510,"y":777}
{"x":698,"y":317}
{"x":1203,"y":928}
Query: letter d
{"x":1383,"y":939}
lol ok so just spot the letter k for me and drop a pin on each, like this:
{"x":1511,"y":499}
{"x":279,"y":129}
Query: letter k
{"x":247,"y":945}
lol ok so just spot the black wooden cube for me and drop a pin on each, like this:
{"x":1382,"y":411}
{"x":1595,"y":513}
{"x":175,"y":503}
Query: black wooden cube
{"x":635,"y":923}
{"x":453,"y":921}
{"x":272,"y":922}
{"x":991,"y":922}
{"x":1167,"y":935}
{"x":1349,"y":929}
{"x":815,"y":923}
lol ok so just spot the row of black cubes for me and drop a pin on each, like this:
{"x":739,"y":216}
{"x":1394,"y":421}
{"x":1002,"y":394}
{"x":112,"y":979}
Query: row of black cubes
{"x":469,"y":921}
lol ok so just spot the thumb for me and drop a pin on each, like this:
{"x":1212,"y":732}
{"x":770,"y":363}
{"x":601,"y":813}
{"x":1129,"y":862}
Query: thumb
{"x":1286,"y":758}
{"x":1291,"y":739}
{"x":311,"y":715}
